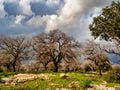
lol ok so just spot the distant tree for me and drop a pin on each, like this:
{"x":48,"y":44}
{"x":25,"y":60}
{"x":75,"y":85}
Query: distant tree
{"x":107,"y":25}
{"x":5,"y":60}
{"x":15,"y":50}
{"x":55,"y":46}
{"x":95,"y":54}
{"x":31,"y":66}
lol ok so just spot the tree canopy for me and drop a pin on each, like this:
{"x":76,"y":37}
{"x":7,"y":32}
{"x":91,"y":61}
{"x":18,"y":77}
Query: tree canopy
{"x":96,"y":55}
{"x":107,"y":24}
{"x":13,"y":50}
{"x":55,"y":46}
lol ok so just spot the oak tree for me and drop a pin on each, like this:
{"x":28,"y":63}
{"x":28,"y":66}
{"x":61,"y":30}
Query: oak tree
{"x":96,"y":54}
{"x":55,"y":46}
{"x":16,"y":49}
{"x":107,"y":25}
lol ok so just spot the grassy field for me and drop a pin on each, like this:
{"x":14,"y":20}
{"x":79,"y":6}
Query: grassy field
{"x":70,"y":80}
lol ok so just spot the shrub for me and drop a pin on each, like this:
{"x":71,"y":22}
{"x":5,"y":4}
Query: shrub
{"x":85,"y":83}
{"x":113,"y":75}
{"x":88,"y":66}
{"x":115,"y":66}
{"x":3,"y":74}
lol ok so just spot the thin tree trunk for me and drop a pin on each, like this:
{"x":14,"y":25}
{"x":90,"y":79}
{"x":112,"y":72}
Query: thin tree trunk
{"x":100,"y":71}
{"x":14,"y":68}
{"x":14,"y":64}
{"x":56,"y":67}
{"x":45,"y":66}
{"x":8,"y":67}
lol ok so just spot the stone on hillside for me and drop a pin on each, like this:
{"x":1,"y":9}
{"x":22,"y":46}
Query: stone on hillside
{"x":62,"y":75}
{"x":74,"y":85}
{"x":62,"y":89}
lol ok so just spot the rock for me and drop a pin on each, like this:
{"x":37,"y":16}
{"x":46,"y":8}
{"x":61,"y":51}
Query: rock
{"x":117,"y":87}
{"x":62,"y":75}
{"x":21,"y":78}
{"x":62,"y":89}
{"x":74,"y":85}
{"x":101,"y":87}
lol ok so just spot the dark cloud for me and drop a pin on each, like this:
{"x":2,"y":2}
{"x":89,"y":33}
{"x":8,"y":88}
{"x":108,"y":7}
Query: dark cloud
{"x":8,"y":27}
{"x":71,"y":16}
{"x":12,"y":8}
{"x":42,"y":9}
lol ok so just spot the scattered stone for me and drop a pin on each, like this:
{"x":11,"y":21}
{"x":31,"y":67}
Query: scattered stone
{"x":62,"y":89}
{"x":117,"y":87}
{"x":101,"y":87}
{"x":62,"y":75}
{"x":21,"y":78}
{"x":74,"y":85}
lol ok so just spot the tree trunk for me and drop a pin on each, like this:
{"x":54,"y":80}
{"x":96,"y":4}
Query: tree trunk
{"x":56,"y":67}
{"x":14,"y":63}
{"x":100,"y":71}
{"x":8,"y":67}
{"x":14,"y":68}
{"x":45,"y":66}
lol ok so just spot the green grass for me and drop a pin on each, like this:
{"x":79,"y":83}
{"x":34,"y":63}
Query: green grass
{"x":7,"y":74}
{"x":75,"y":81}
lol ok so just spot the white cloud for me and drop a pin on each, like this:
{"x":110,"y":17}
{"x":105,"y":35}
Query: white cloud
{"x":26,"y":8}
{"x":2,"y":11}
{"x":66,"y":15}
{"x":19,"y":18}
{"x":72,"y":16}
{"x":38,"y":21}
{"x":52,"y":2}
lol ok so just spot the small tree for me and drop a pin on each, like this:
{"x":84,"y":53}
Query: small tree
{"x":97,"y":56}
{"x":55,"y":46}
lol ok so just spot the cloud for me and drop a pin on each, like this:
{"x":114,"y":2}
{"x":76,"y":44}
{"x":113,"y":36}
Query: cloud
{"x":2,"y":11}
{"x":38,"y":21}
{"x":52,"y":2}
{"x":66,"y":15}
{"x":26,"y":8}
{"x":12,"y":8}
{"x":33,"y":16}
{"x":19,"y":18}
{"x":40,"y":8}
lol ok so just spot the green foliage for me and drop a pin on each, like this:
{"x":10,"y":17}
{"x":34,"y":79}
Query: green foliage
{"x":3,"y":74}
{"x":113,"y":75}
{"x":74,"y":81}
{"x":85,"y":83}
{"x":107,"y":24}
{"x":37,"y":84}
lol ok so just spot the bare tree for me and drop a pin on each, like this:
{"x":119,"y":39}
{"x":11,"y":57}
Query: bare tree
{"x":96,"y":54}
{"x":15,"y":48}
{"x":56,"y":46}
{"x":5,"y":60}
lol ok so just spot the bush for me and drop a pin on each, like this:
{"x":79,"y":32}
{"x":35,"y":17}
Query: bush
{"x":88,"y":66}
{"x":85,"y":83}
{"x":113,"y":75}
{"x":3,"y":74}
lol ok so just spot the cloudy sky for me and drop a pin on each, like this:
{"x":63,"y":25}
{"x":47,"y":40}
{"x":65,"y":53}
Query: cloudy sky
{"x":30,"y":17}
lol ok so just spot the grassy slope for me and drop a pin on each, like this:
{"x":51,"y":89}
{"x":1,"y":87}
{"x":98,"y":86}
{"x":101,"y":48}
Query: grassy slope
{"x":82,"y":79}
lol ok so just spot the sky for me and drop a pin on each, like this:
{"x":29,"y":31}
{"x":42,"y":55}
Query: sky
{"x":30,"y":17}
